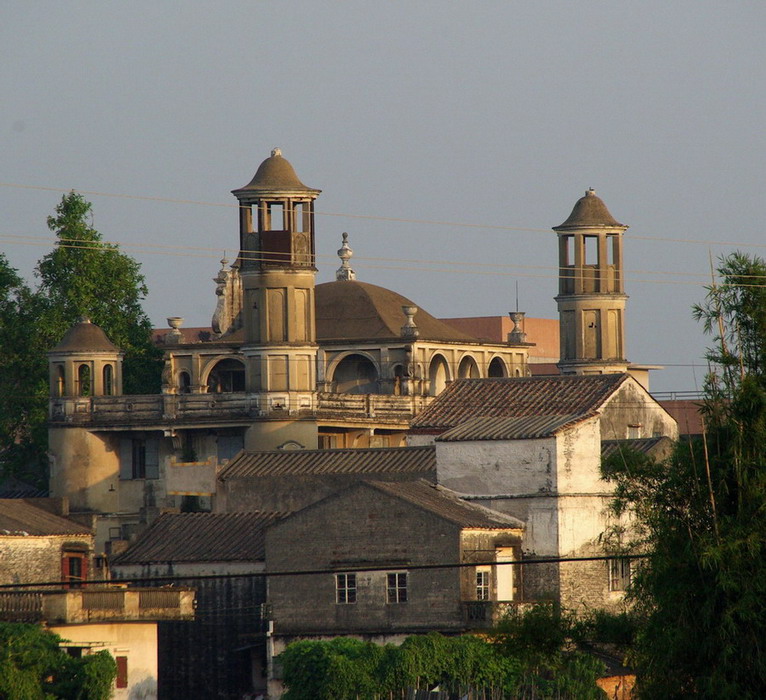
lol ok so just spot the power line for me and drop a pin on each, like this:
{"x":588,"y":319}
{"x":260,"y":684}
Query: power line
{"x":329,"y":570}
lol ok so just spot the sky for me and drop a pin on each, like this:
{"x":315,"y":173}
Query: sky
{"x":447,"y":138}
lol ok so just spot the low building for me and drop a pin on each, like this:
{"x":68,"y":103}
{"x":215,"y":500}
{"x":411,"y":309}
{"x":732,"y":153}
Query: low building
{"x":222,"y":653}
{"x":375,"y":546}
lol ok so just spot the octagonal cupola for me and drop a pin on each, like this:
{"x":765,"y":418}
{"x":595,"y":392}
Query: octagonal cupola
{"x":85,"y":363}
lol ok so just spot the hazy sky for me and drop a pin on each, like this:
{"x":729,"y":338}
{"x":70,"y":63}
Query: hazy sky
{"x":493,"y":114}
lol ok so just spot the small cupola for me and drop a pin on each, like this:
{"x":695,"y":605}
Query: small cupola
{"x":85,"y":363}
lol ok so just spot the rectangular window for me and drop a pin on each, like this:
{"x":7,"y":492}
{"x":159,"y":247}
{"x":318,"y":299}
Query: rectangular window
{"x":396,"y":588}
{"x":140,"y":458}
{"x":74,"y":568}
{"x":122,"y":671}
{"x":634,"y":432}
{"x":483,"y":577}
{"x":620,"y":572}
{"x":345,"y":588}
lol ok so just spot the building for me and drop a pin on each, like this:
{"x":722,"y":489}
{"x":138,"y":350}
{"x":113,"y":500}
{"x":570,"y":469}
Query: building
{"x":374,"y":545}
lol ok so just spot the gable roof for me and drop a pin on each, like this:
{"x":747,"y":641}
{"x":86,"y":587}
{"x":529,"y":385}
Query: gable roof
{"x":515,"y":397}
{"x":517,"y":428}
{"x":446,"y":504}
{"x":347,"y":461}
{"x":18,"y":517}
{"x":198,"y":537}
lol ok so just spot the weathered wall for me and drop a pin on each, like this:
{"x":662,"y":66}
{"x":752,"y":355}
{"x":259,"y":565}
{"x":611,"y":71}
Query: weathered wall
{"x":633,"y":406}
{"x":30,"y":559}
{"x":362,"y":527}
{"x":136,"y":640}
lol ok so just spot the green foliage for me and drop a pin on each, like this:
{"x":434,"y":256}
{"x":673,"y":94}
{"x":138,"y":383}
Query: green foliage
{"x":529,"y":655}
{"x":84,"y":276}
{"x":81,"y":276}
{"x":701,"y":517}
{"x":33,"y":667}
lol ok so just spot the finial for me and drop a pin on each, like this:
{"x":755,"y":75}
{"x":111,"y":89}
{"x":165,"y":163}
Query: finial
{"x":409,"y":329}
{"x":276,"y":152}
{"x":224,"y":262}
{"x":590,"y":192}
{"x":344,"y":272}
{"x":84,"y":319}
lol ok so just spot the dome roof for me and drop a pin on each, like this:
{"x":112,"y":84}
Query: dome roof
{"x":350,"y":310}
{"x":275,"y":174}
{"x":589,"y":210}
{"x":85,"y":336}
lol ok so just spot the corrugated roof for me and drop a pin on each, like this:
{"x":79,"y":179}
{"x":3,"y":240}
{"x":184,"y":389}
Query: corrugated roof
{"x":17,"y":517}
{"x":522,"y":428}
{"x":447,"y":504}
{"x":198,"y":537}
{"x":348,"y":461}
{"x":515,"y":397}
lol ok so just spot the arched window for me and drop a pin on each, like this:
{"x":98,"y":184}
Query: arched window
{"x":227,"y":376}
{"x":398,"y":378}
{"x":356,"y":374}
{"x":497,"y":368}
{"x":438,"y":375}
{"x":83,"y":380}
{"x":108,"y":377}
{"x":468,"y":368}
{"x":184,"y":383}
{"x":60,"y":380}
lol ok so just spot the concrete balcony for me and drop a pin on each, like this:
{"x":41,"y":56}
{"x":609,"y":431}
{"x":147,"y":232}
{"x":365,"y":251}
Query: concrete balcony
{"x":102,"y":604}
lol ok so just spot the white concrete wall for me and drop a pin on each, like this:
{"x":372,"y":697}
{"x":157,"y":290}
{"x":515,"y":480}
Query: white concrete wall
{"x":136,"y":640}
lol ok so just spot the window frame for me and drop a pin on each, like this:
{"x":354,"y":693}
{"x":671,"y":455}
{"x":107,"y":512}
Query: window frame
{"x":397,"y":587}
{"x":483,"y":583}
{"x":345,"y":588}
{"x":620,"y":574}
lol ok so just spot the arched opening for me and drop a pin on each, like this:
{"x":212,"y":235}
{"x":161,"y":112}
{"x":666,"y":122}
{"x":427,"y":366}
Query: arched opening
{"x":497,"y":368}
{"x":438,"y":375}
{"x":398,"y":379}
{"x":83,"y":380}
{"x":60,"y":380}
{"x":356,"y":374}
{"x":468,"y":369}
{"x":107,"y":375}
{"x":226,"y":377}
{"x":184,"y":383}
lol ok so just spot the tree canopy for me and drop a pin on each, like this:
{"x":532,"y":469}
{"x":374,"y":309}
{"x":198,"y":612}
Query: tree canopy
{"x":701,"y":516}
{"x":81,"y":276}
{"x":34,"y":667}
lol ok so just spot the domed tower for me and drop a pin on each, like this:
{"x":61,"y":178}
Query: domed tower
{"x":278,"y":278}
{"x":591,"y":298}
{"x":83,"y":465}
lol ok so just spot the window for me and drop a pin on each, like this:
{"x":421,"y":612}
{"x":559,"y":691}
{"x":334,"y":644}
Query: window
{"x":345,"y":588}
{"x":60,"y":380}
{"x":634,"y":432}
{"x":396,"y":588}
{"x":122,"y":671}
{"x":140,"y":458}
{"x":108,"y":375}
{"x":620,"y":572}
{"x":184,"y":383}
{"x":483,"y":579}
{"x":83,"y":380}
{"x":74,"y":568}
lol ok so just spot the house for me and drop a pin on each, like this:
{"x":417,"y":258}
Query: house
{"x":374,"y":546}
{"x":39,"y":543}
{"x":284,"y":480}
{"x":222,"y":653}
{"x":531,"y":447}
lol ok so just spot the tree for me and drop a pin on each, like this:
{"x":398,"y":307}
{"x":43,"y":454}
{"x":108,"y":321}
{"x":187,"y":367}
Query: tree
{"x":84,"y":276}
{"x":81,"y":276}
{"x":701,"y":516}
{"x":34,"y":667}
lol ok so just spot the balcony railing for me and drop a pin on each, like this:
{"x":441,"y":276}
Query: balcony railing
{"x":97,"y":605}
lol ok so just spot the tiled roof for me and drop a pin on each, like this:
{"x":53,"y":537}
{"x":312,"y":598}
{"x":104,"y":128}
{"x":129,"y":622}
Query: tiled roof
{"x":522,"y":428}
{"x":516,"y":397}
{"x":380,"y":460}
{"x":18,"y":517}
{"x":447,"y":504}
{"x":198,"y":537}
{"x":351,"y":310}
